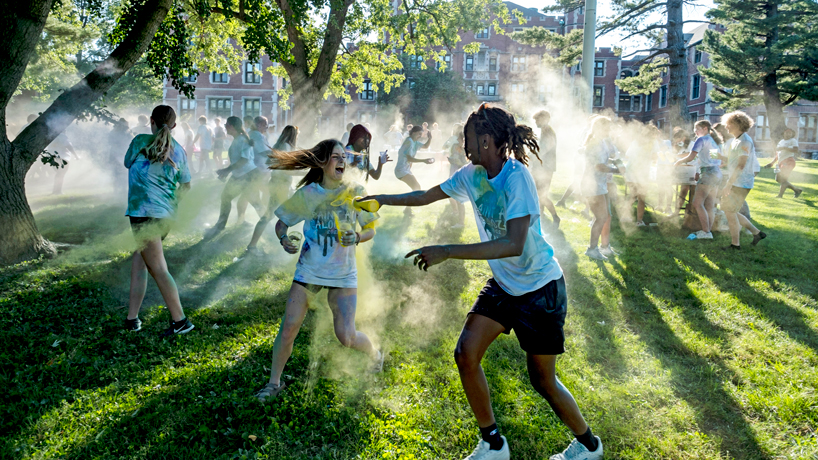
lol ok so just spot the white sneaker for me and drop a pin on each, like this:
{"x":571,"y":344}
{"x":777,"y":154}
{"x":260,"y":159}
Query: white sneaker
{"x":641,"y":223}
{"x":702,"y":235}
{"x":576,"y":451}
{"x":483,"y":452}
{"x":607,"y":251}
{"x":595,"y":254}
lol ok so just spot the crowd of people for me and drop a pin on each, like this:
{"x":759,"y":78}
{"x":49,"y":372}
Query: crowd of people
{"x":503,"y":168}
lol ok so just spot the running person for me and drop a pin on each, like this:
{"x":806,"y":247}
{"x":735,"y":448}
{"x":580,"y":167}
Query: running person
{"x":219,"y":136}
{"x":243,"y":175}
{"x":457,"y":159}
{"x":204,"y":136}
{"x":323,"y":263}
{"x":548,"y":144}
{"x":527,"y":292}
{"x":710,"y":177}
{"x":594,"y":186}
{"x":406,"y":156}
{"x":785,"y":154}
{"x":158,"y":176}
{"x":357,"y":156}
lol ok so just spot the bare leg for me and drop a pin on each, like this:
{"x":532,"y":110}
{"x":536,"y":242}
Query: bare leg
{"x":544,"y":193}
{"x":735,"y":227}
{"x":477,"y":334}
{"x":702,"y":193}
{"x":154,"y":258}
{"x":599,"y":206}
{"x":543,"y":375}
{"x":410,"y":180}
{"x":296,"y":310}
{"x":139,"y":284}
{"x":343,"y":303}
{"x":745,"y":222}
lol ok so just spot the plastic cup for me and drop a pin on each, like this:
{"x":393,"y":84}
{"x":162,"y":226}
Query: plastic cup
{"x":295,"y":237}
{"x":344,"y":228}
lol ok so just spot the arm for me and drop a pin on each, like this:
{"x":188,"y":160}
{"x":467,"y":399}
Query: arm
{"x":183,"y":189}
{"x":227,"y":170}
{"x":281,"y":233}
{"x":417,"y":198}
{"x":774,"y":160}
{"x":690,"y":157}
{"x":742,"y":162}
{"x":428,"y":142}
{"x":511,"y":245}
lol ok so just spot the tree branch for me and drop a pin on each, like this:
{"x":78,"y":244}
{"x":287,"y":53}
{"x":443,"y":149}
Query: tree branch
{"x":332,"y":40}
{"x":651,"y":56}
{"x":640,"y":10}
{"x":299,"y":49}
{"x":653,"y":27}
{"x":650,"y":50}
{"x":22,"y":27}
{"x":229,"y":13}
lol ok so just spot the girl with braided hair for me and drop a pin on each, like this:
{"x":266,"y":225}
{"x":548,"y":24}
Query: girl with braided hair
{"x":527,"y":292}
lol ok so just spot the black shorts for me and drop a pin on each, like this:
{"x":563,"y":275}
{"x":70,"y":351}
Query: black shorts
{"x":536,"y":317}
{"x":148,"y":228}
{"x":314,"y":288}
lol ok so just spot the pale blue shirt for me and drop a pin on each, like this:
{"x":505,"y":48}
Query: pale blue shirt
{"x":746,"y":178}
{"x":239,"y":149}
{"x":153,"y":187}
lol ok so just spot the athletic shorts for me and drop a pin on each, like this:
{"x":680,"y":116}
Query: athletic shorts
{"x":710,"y":176}
{"x":314,"y":288}
{"x":536,"y":317}
{"x":148,"y":228}
{"x":736,"y":198}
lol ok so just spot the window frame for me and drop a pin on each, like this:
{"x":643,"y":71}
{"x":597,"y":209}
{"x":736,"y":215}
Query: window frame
{"x":251,"y":72}
{"x":762,"y":128}
{"x":601,"y":68}
{"x":695,"y":87}
{"x":217,"y":113}
{"x":491,"y":90}
{"x":663,"y":96}
{"x":213,"y":78}
{"x":367,"y":92}
{"x":601,"y":96}
{"x":244,"y":101}
{"x":697,"y":55}
{"x":482,"y":35}
{"x":804,"y":129}
{"x":186,"y":110}
{"x":468,"y":62}
{"x":492,"y":68}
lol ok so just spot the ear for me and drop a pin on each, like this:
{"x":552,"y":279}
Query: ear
{"x":174,"y":125}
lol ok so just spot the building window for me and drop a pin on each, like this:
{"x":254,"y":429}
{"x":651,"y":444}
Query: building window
{"x":599,"y":68}
{"x":518,"y":63}
{"x":219,"y":107}
{"x":660,"y":123}
{"x":250,"y":75}
{"x":762,"y":126}
{"x":415,"y":62}
{"x":697,"y":55}
{"x":493,"y":63}
{"x":492,"y":89}
{"x":469,"y":62}
{"x":807,"y":127}
{"x":517,"y":29}
{"x":696,"y":87}
{"x":518,"y":88}
{"x":368,"y":94}
{"x":628,"y":103}
{"x":649,"y":102}
{"x":625,"y":74}
{"x":599,"y":91}
{"x":191,"y":78}
{"x":412,"y":84}
{"x":216,"y":77}
{"x":447,"y":59}
{"x":480,"y":90}
{"x":187,"y":108}
{"x":663,"y":96}
{"x":546,"y":91}
{"x":482,"y":34}
{"x":694,"y":116}
{"x":252,"y":108}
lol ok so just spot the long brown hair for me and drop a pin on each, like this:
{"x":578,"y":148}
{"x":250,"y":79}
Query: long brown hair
{"x":508,"y":136}
{"x":161,"y":146}
{"x":597,"y":123}
{"x":313,"y":159}
{"x":288,"y":135}
{"x":236,"y":123}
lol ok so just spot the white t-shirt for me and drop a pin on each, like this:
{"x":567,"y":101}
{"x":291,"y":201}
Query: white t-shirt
{"x":260,"y":149}
{"x":509,"y":195}
{"x":409,"y":147}
{"x":323,"y":261}
{"x":205,"y":137}
{"x":787,"y":144}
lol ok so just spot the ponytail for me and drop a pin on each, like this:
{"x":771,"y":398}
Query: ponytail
{"x":161,"y":146}
{"x":508,"y":136}
{"x":713,"y":133}
{"x":313,"y":159}
{"x":236,"y":123}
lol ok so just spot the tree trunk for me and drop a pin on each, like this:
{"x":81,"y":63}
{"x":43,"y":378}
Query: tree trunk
{"x":677,"y":65}
{"x":307,"y":108}
{"x":22,"y":240}
{"x":772,"y":96}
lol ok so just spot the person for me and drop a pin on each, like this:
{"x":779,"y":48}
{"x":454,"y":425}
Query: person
{"x":345,"y":136}
{"x":785,"y":154}
{"x":65,"y":150}
{"x":219,"y":136}
{"x":437,"y":135}
{"x":143,"y":125}
{"x":190,"y":147}
{"x":205,"y":139}
{"x":158,"y":177}
{"x":594,"y":186}
{"x":357,"y":156}
{"x":527,"y":292}
{"x":406,"y":156}
{"x":457,"y":159}
{"x":741,"y":178}
{"x":261,"y":150}
{"x":242,"y":172}
{"x":710,"y":176}
{"x":327,"y":259}
{"x":543,"y":177}
{"x":640,"y":154}
{"x":682,"y":143}
{"x":393,"y":137}
{"x":278,"y":186}
{"x":119,"y":139}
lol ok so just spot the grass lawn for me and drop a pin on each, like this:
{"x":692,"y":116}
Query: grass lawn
{"x":675,"y":350}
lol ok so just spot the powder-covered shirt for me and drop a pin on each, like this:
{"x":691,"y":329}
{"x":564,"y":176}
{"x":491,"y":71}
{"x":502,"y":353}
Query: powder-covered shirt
{"x":598,"y":152}
{"x":153,"y":187}
{"x":205,"y":137}
{"x":548,"y":148}
{"x":787,"y":144}
{"x":241,"y":148}
{"x":509,"y":195}
{"x":357,"y":165}
{"x":737,"y":150}
{"x":323,"y":261}
{"x":703,"y":145}
{"x":409,"y":147}
{"x":261,"y":148}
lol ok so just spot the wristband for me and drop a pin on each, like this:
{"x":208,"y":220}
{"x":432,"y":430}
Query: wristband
{"x":357,"y":238}
{"x":281,"y":238}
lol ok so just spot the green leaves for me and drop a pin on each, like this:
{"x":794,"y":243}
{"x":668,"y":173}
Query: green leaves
{"x":648,"y":81}
{"x":568,"y":45}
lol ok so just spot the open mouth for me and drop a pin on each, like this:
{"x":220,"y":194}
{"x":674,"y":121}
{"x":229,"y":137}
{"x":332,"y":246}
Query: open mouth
{"x":339,"y":169}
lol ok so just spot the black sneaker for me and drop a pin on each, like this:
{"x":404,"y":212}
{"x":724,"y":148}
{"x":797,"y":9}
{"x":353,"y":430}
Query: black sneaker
{"x":759,"y":237}
{"x":731,"y":247}
{"x":182,"y":326}
{"x":133,"y":325}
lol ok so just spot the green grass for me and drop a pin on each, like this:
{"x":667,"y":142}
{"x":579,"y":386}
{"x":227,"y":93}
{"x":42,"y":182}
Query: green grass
{"x":676,"y":350}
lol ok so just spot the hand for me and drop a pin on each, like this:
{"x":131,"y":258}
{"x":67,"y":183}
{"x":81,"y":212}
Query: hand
{"x":696,"y":177}
{"x":768,"y":165}
{"x":349,"y":238}
{"x":222,"y":173}
{"x":384,"y":159}
{"x":725,"y":191}
{"x":430,"y":161}
{"x":288,"y":245}
{"x":427,"y":256}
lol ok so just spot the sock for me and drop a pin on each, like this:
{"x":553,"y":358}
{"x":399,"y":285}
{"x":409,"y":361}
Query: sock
{"x":588,"y":440}
{"x":491,"y":434}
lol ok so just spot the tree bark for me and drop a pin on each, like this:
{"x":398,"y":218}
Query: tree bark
{"x":772,"y":96}
{"x":677,"y":65}
{"x":21,"y":239}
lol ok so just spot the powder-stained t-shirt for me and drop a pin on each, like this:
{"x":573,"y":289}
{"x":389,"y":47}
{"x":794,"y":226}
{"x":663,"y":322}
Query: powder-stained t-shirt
{"x":261,"y":148}
{"x":241,"y":148}
{"x":205,"y":137}
{"x":737,"y":150}
{"x":548,"y":148}
{"x":703,"y":145}
{"x":323,"y":261}
{"x":787,"y":144}
{"x":409,"y":147}
{"x":509,"y":195}
{"x":153,"y":187}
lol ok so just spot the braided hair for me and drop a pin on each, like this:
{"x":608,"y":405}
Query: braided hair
{"x":508,"y":136}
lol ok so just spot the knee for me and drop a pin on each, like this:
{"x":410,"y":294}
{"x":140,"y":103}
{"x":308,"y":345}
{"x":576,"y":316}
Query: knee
{"x":345,"y":336}
{"x":464,"y":359}
{"x":288,"y":332}
{"x":547,"y":386}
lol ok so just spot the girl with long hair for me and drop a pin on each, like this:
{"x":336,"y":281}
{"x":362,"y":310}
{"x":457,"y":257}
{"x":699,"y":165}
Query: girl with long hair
{"x":357,"y":149}
{"x":158,"y":176}
{"x":710,"y":177}
{"x":406,"y":156}
{"x":243,"y":175}
{"x":785,"y":154}
{"x":594,"y":186}
{"x":327,"y":259}
{"x":527,"y":292}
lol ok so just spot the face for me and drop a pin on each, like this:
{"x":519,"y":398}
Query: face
{"x":732,"y":129}
{"x":361,"y":144}
{"x":471,"y":145}
{"x":415,"y":135}
{"x":229,"y":129}
{"x":334,"y":170}
{"x":261,"y":126}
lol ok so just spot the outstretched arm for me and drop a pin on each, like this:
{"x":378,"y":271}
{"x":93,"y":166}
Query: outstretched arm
{"x":510,"y":245}
{"x":417,"y":198}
